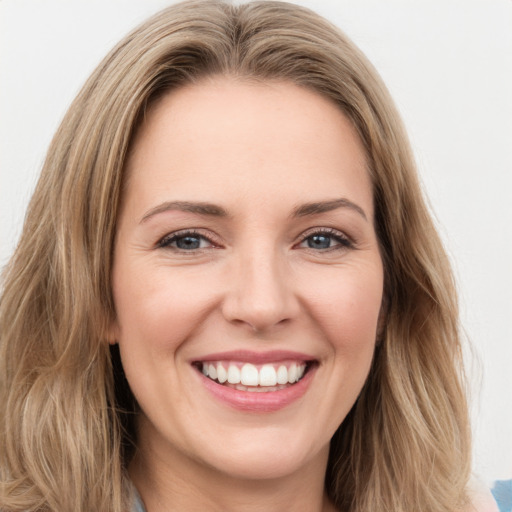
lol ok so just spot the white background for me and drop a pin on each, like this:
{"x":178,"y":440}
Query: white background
{"x":448,"y":64}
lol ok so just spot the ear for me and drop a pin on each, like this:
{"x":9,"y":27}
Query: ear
{"x":112,"y":332}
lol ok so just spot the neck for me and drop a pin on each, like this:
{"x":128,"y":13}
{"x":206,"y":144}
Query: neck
{"x":174,"y":482}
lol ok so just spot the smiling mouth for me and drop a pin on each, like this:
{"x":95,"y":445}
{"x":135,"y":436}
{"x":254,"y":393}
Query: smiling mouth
{"x":259,"y":378}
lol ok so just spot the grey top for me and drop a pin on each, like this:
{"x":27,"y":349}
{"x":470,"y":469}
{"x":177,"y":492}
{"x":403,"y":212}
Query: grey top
{"x":137,"y":506}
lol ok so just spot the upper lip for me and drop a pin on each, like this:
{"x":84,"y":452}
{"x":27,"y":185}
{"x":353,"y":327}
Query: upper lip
{"x":248,"y":356}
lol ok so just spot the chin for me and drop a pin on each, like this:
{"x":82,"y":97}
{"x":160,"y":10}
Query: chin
{"x":264,"y":457}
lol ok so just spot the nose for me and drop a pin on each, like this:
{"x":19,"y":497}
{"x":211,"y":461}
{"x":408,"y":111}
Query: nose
{"x":260,"y":294}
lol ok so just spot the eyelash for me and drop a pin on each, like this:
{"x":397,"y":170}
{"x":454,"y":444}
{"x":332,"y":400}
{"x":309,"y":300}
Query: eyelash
{"x":167,"y":240}
{"x":343,"y":242}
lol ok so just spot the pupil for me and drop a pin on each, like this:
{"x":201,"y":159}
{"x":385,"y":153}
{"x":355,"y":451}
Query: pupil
{"x":188,"y":242}
{"x":319,"y":242}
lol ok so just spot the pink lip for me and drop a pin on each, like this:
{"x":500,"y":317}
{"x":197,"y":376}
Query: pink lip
{"x":248,"y":401}
{"x":247,"y":356}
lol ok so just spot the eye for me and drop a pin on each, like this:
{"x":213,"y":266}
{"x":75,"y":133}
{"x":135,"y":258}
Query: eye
{"x":186,"y":241}
{"x":325,"y":240}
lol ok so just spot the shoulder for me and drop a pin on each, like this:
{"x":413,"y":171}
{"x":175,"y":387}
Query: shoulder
{"x":481,"y":498}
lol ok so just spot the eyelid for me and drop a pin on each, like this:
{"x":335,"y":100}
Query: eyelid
{"x":346,"y":241}
{"x":165,"y":241}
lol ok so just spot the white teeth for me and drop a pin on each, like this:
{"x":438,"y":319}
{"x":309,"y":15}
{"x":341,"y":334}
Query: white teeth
{"x":233,"y":374}
{"x":258,"y":389}
{"x":282,"y":375}
{"x":222,"y":374}
{"x":268,"y":376}
{"x":212,"y":371}
{"x":292,"y":373}
{"x":249,"y":375}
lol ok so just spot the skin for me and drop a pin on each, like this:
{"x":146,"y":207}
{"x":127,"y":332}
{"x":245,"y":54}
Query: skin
{"x":257,"y":282}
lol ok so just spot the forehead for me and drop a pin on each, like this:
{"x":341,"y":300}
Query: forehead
{"x":223,"y":138}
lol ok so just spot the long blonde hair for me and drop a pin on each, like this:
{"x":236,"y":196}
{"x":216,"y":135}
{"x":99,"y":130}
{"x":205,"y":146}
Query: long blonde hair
{"x":65,"y":433}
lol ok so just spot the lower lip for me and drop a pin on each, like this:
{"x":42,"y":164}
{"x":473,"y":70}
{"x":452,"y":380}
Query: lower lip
{"x":251,"y":401}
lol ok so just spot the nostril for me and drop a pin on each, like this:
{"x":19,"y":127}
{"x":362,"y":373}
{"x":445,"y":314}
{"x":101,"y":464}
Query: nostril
{"x":259,"y":318}
{"x":262,"y":295}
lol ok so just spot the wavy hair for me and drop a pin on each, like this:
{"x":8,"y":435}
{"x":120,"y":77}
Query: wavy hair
{"x":66,"y":428}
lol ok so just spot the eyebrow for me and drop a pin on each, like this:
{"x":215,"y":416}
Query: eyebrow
{"x":186,"y":206}
{"x":327,"y":206}
{"x":210,"y":209}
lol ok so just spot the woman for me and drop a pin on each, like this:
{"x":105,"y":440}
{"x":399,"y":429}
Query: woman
{"x":229,"y":294}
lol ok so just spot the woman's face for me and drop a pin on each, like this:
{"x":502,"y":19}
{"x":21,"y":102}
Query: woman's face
{"x":245,"y":251}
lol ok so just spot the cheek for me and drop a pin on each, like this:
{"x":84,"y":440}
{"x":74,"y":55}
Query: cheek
{"x":159,"y":308}
{"x":346,"y":305}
